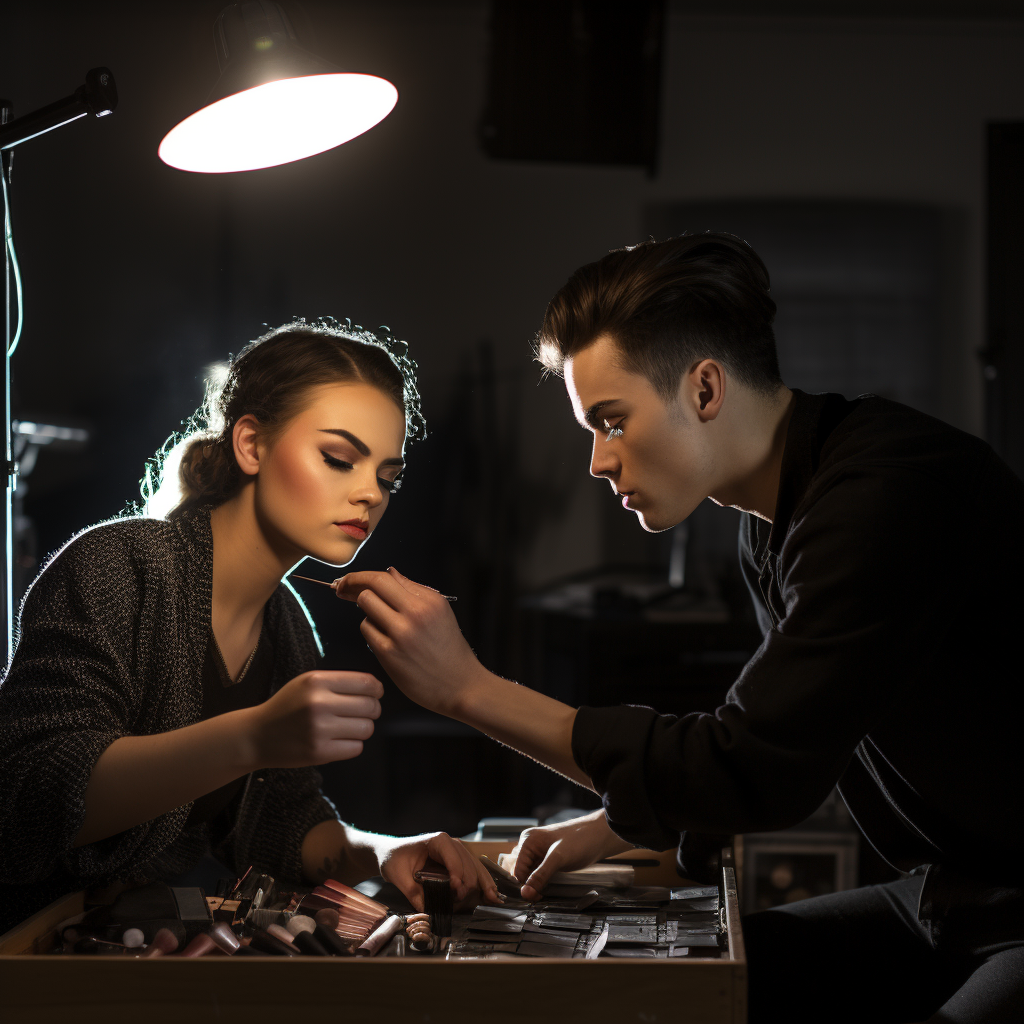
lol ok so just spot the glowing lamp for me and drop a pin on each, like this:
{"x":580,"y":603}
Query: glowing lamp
{"x":275,"y":101}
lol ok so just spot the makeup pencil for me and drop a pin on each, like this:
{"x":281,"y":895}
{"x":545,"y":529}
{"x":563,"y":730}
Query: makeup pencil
{"x":296,"y":576}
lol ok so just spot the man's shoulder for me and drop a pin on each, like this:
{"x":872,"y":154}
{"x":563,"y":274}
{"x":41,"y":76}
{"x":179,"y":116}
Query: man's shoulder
{"x":894,"y":441}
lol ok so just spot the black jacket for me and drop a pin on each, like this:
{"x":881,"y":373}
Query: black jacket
{"x":112,"y":638}
{"x":889,"y":592}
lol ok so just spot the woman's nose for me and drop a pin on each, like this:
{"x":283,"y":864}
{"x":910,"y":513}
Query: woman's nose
{"x":369,"y":493}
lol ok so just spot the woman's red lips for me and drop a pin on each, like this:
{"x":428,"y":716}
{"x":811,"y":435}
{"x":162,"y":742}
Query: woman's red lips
{"x":354,"y":527}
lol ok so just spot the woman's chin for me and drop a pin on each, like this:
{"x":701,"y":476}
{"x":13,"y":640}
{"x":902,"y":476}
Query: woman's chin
{"x":339,"y":555}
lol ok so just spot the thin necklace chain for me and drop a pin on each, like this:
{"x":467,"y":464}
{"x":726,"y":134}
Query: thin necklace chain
{"x":245,"y":667}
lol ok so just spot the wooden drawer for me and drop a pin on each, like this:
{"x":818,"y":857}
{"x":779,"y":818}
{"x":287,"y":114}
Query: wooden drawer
{"x":40,"y":987}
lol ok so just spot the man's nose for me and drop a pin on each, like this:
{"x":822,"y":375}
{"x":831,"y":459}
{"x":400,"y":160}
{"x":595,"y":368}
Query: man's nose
{"x":603,"y":463}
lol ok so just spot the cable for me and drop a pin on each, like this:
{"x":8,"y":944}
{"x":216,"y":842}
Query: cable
{"x":9,"y":237}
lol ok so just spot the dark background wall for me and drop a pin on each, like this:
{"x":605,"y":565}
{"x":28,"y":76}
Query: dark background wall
{"x":136,"y":275}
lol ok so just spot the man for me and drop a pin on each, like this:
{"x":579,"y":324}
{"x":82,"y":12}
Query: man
{"x":880,"y":547}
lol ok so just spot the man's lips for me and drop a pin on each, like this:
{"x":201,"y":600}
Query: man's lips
{"x":354,"y":528}
{"x":625,"y":495}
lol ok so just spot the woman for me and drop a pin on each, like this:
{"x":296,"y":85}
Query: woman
{"x":163,"y":702}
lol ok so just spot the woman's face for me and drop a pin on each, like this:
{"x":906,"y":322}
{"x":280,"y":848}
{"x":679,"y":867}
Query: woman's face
{"x":324,"y":482}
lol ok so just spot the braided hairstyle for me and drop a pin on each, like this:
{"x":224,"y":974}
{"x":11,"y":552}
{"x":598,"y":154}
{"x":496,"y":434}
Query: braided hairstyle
{"x":269,"y":379}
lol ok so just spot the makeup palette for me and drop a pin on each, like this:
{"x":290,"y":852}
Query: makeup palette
{"x":358,"y":915}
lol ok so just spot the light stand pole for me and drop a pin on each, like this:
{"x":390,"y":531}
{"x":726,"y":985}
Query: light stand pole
{"x":97,"y":98}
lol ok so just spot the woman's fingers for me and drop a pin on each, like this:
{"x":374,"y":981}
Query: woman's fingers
{"x":400,"y":873}
{"x":344,"y":750}
{"x":485,"y":883}
{"x":448,"y":852}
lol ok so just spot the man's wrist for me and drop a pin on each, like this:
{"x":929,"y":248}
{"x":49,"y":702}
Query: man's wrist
{"x":467,"y":701}
{"x":613,"y":843}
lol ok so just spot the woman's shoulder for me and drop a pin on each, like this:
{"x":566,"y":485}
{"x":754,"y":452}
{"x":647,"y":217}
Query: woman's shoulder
{"x":113,"y":555}
{"x":123,"y":537}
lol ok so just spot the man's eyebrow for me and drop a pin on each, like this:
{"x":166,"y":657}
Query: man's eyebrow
{"x":362,"y":447}
{"x":591,"y":415}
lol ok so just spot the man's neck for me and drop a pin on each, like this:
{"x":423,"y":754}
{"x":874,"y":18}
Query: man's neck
{"x":755,"y":451}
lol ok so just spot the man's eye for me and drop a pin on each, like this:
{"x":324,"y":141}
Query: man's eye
{"x":390,"y":485}
{"x":613,"y":431}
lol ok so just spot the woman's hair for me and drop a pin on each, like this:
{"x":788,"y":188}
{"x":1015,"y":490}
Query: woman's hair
{"x":668,"y":305}
{"x":270,"y":379}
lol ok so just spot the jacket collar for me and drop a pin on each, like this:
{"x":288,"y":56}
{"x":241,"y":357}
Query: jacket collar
{"x":813,"y":420}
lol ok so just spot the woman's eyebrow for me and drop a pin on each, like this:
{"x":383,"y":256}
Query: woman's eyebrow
{"x":361,"y":446}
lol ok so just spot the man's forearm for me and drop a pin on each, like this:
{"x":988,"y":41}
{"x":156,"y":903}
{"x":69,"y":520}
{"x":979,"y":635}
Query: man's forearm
{"x":527,"y":721}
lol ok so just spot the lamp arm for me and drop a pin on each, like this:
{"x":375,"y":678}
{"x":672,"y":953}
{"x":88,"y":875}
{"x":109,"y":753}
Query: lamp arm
{"x":97,"y":97}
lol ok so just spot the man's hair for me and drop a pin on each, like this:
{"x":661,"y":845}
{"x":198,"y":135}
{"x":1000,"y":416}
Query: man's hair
{"x":668,"y":305}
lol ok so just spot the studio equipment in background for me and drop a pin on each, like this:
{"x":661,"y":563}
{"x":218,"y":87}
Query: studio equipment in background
{"x":574,"y":81}
{"x":97,"y":98}
{"x":275,"y":102}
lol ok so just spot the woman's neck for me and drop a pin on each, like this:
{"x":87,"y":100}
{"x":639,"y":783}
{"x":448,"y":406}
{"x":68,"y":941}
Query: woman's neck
{"x":246,"y":567}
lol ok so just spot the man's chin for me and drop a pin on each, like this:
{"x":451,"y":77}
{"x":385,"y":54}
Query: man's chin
{"x":652,"y":524}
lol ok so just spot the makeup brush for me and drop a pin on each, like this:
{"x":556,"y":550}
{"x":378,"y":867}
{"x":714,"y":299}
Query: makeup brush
{"x":438,"y":899}
{"x":296,"y":576}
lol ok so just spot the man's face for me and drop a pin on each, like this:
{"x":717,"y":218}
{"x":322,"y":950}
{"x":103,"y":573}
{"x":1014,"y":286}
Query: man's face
{"x":652,"y":452}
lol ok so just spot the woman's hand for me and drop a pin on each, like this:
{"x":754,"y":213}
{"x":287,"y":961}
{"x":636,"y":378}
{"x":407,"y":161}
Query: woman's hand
{"x":400,"y":858}
{"x":412,"y":631}
{"x":569,"y":845}
{"x":315,"y":718}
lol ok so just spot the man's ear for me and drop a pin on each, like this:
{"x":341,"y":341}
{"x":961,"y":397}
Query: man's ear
{"x":245,"y":438}
{"x":705,"y":387}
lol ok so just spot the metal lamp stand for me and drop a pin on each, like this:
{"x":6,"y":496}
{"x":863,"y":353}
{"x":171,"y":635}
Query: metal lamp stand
{"x":97,"y":98}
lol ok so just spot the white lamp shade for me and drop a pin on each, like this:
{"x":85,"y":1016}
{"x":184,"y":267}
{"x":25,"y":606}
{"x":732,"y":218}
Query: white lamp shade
{"x":278,"y":122}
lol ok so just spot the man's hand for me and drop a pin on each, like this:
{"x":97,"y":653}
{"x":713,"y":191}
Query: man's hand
{"x":400,"y":858}
{"x":413,"y":633}
{"x":563,"y":847}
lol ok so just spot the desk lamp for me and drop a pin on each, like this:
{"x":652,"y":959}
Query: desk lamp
{"x":275,"y":102}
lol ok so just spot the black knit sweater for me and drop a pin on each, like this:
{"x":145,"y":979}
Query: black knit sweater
{"x":111,"y":642}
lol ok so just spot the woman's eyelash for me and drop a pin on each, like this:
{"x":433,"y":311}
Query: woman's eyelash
{"x":336,"y":463}
{"x":613,"y":432}
{"x":389,"y":485}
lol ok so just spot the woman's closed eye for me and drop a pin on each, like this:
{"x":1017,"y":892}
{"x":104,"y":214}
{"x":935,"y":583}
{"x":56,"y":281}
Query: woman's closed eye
{"x":340,"y":464}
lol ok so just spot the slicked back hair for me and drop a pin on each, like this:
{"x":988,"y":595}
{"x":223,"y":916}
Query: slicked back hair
{"x":668,"y":305}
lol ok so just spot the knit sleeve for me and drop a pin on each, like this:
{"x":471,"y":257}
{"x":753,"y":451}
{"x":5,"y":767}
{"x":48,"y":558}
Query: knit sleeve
{"x":282,"y":805}
{"x":70,"y":691}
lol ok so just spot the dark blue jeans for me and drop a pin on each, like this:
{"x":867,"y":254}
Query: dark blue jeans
{"x":864,"y":956}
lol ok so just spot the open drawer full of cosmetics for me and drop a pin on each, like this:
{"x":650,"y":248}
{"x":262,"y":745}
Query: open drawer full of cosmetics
{"x":171,"y":949}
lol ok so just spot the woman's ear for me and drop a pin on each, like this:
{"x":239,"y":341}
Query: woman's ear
{"x":706,"y":384}
{"x":244,"y":438}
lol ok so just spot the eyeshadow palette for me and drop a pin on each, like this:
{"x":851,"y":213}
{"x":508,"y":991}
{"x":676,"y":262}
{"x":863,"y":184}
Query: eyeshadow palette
{"x":671,"y":924}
